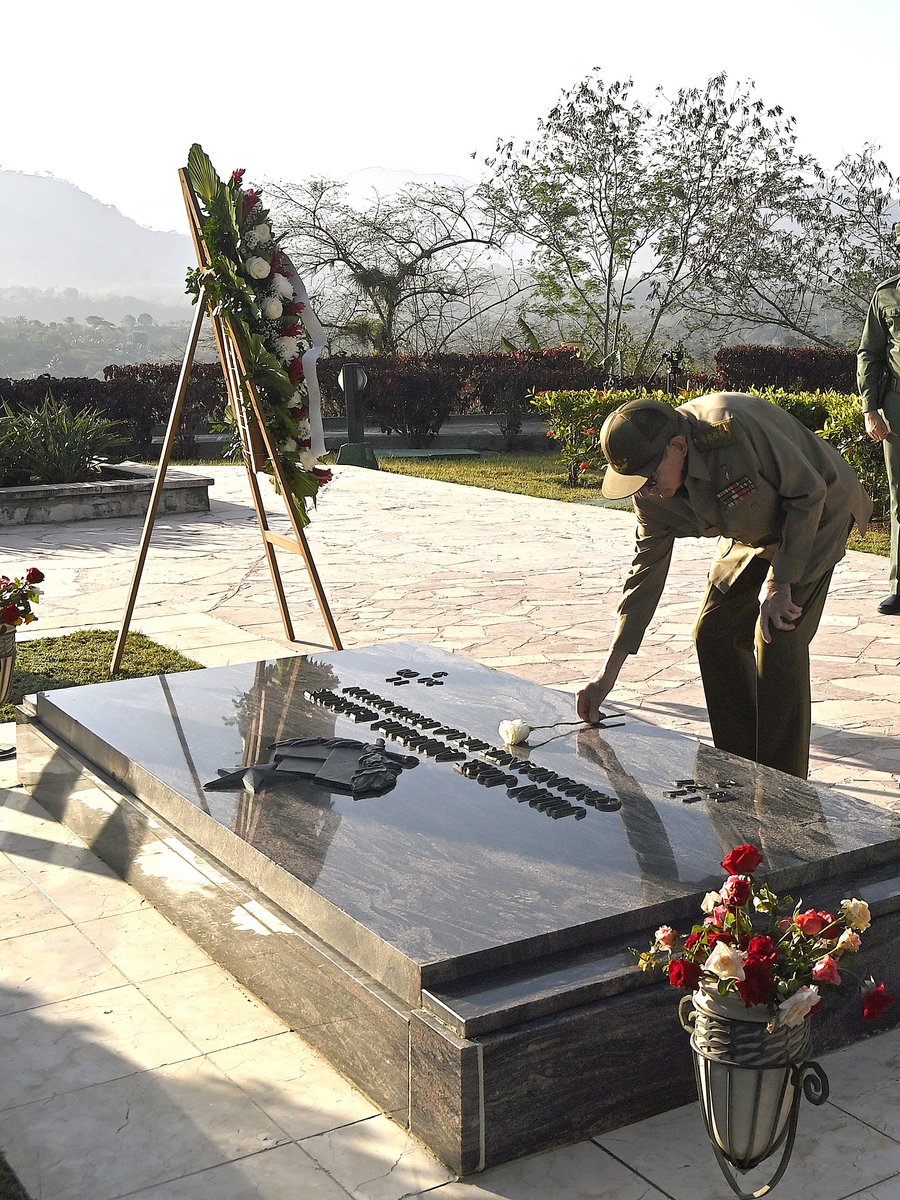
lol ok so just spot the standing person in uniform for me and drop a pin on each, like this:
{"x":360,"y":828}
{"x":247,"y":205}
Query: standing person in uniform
{"x":878,"y":379}
{"x":782,"y":501}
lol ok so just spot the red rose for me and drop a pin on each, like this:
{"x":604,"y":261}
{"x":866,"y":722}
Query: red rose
{"x":812,"y":923}
{"x":876,"y":1002}
{"x":691,"y":941}
{"x":718,"y":935}
{"x":33,"y":575}
{"x":754,"y":988}
{"x":762,"y":949}
{"x":743,"y":860}
{"x":10,"y":615}
{"x":684,"y":974}
{"x":736,"y":889}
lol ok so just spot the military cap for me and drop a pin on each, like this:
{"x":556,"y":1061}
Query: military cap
{"x":634,"y":439}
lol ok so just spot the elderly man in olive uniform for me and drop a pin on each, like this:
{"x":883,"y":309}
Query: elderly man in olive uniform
{"x":782,"y":501}
{"x":878,"y":378}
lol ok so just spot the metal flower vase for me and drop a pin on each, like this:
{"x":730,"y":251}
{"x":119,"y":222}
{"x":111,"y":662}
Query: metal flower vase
{"x":749,"y":1082}
{"x":7,"y":663}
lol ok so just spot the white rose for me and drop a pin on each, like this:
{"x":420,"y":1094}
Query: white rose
{"x":856,"y":914}
{"x":797,"y":1007}
{"x":261,"y":232}
{"x":726,"y":962}
{"x":514,"y":732}
{"x":848,"y":942}
{"x":282,"y":287}
{"x":257,"y":268}
{"x":307,"y":459}
{"x":272,"y":308}
{"x":288,"y":348}
{"x":710,"y":901}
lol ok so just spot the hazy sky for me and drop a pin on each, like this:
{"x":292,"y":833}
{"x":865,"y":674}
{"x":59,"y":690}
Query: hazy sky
{"x":109,"y":94}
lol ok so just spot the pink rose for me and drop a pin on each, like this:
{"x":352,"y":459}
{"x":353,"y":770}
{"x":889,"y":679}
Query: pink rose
{"x":736,"y":889}
{"x":826,"y":971}
{"x":666,"y":937}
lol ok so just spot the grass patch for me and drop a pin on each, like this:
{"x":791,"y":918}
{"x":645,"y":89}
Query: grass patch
{"x":538,"y":475}
{"x":541,"y":475}
{"x":84,"y":657}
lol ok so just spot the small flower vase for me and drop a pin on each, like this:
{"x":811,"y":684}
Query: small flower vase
{"x":749,"y":1081}
{"x":7,"y":663}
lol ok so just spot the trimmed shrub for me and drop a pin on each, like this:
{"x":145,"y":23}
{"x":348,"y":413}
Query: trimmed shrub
{"x":795,"y":368}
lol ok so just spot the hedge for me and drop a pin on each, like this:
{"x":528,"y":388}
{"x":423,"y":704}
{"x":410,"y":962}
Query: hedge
{"x":796,"y":368}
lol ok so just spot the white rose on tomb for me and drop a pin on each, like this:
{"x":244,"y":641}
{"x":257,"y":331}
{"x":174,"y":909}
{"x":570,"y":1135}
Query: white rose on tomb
{"x":725,"y":962}
{"x":796,"y":1008}
{"x":514,"y":732}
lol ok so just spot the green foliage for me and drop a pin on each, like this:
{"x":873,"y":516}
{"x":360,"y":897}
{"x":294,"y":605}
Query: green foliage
{"x":53,"y":444}
{"x":43,"y":664}
{"x":845,"y":428}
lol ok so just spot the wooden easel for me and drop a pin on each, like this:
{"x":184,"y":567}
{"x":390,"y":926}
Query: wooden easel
{"x":232,"y":355}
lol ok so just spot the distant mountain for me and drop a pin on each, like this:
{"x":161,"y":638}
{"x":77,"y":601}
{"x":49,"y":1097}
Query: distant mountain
{"x":55,"y":236}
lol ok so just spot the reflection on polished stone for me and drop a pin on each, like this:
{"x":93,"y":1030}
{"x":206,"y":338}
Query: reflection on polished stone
{"x":448,"y":871}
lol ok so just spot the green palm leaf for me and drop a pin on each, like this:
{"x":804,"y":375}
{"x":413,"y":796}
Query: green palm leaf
{"x":202,"y":174}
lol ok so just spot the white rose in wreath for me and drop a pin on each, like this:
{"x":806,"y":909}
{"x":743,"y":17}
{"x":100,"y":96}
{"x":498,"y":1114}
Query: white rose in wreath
{"x":272,"y":308}
{"x":257,"y":268}
{"x":514,"y":732}
{"x":307,"y":459}
{"x":288,"y":446}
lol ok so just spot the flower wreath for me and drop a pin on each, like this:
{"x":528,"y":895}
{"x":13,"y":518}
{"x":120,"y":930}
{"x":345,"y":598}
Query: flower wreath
{"x":254,"y":282}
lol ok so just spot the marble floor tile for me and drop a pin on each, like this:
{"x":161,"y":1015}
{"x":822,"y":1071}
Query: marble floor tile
{"x":864,"y":1082}
{"x":834,"y":1156}
{"x":294,"y":1085}
{"x":115,"y":1138}
{"x":72,"y":1044}
{"x":56,"y":964}
{"x":579,"y":1172}
{"x":377,"y":1160}
{"x":283,"y":1173}
{"x":23,"y":907}
{"x":144,"y":945}
{"x":211,"y":1008}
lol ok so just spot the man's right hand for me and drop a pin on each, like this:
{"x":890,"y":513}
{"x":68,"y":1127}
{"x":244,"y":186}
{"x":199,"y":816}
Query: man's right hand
{"x":589,"y":701}
{"x":876,"y":426}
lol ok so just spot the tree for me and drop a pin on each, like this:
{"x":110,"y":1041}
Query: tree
{"x":629,"y":205}
{"x":812,"y":270}
{"x":409,"y":274}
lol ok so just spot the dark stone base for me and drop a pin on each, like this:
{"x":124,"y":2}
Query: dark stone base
{"x":486,"y":1047}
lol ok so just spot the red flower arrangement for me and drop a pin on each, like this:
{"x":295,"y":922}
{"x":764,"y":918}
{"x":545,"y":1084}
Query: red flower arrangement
{"x":17,"y":597}
{"x":765,"y":948}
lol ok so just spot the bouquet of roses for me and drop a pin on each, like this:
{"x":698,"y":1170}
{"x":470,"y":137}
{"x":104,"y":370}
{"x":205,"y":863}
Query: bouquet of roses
{"x":16,"y":598}
{"x":767,"y":949}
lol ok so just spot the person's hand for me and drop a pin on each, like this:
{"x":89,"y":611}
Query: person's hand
{"x":876,"y":426}
{"x":776,"y":609}
{"x":589,"y":700}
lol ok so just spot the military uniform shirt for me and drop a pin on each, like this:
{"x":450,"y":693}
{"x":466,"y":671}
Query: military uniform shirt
{"x":761,"y":482}
{"x":878,"y":357}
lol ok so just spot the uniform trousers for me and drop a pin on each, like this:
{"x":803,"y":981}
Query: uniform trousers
{"x":758,"y":694}
{"x":890,"y":406}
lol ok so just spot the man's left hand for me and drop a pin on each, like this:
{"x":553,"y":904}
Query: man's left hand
{"x":776,"y":609}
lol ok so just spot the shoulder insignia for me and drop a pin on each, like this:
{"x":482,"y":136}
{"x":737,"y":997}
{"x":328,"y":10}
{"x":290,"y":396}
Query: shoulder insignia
{"x":888,"y":283}
{"x":709,"y":435}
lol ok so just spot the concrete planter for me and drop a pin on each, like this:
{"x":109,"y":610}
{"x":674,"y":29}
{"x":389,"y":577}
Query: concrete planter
{"x":124,"y":491}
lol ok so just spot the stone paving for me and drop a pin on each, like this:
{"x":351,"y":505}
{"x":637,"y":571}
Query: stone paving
{"x":154,"y":1075}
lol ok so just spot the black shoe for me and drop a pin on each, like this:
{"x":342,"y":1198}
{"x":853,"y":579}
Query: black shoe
{"x":890,"y":605}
